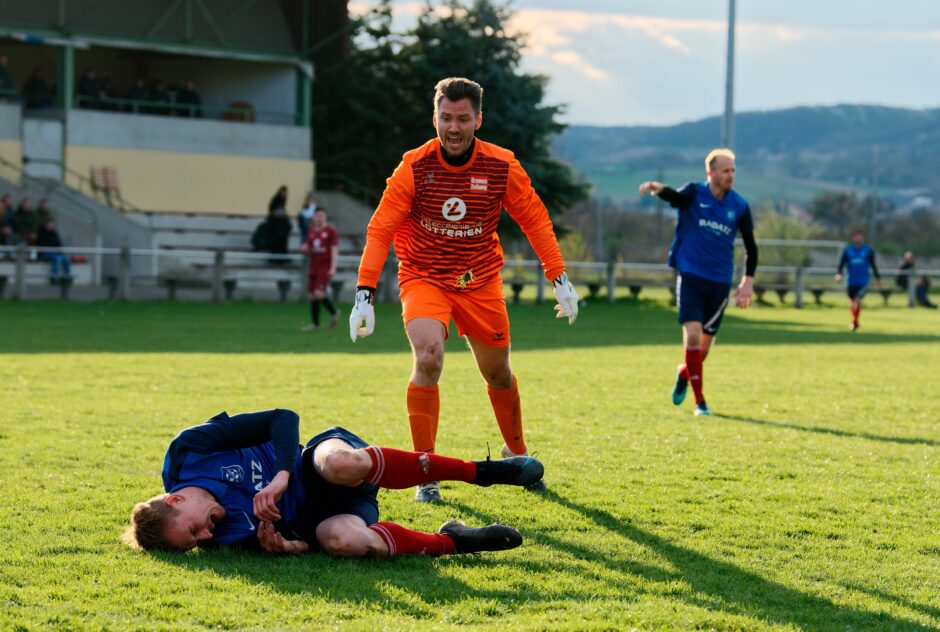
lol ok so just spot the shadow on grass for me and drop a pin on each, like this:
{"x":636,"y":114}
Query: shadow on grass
{"x":115,"y":327}
{"x":412,"y":586}
{"x":742,"y":591}
{"x":930,"y":611}
{"x":831,"y":431}
{"x":419,"y":588}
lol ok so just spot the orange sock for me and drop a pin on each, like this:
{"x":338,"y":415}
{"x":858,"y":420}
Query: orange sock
{"x":424,"y":410}
{"x":508,"y":412}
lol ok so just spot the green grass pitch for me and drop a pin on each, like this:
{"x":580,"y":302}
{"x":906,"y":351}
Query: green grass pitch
{"x":810,"y":502}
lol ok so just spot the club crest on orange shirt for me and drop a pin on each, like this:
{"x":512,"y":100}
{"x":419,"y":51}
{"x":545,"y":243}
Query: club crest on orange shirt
{"x":465,"y":279}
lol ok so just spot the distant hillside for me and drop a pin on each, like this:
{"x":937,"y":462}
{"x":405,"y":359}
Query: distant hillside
{"x":789,"y":153}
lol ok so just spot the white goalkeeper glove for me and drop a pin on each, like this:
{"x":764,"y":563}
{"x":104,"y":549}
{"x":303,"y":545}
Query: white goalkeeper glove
{"x":567,"y":298}
{"x":362,"y":317}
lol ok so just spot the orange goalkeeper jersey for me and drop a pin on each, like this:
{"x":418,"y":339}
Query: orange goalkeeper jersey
{"x":443,"y":218}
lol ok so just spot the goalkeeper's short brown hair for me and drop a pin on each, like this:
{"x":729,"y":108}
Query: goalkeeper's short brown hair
{"x":457,"y":88}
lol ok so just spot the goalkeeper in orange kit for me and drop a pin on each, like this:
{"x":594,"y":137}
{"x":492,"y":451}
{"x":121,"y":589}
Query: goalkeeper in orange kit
{"x":441,"y":208}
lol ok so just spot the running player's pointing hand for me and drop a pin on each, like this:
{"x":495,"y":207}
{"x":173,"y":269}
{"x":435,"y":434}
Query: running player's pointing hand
{"x":651,"y":187}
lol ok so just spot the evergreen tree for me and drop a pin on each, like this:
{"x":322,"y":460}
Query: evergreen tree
{"x":379,"y":104}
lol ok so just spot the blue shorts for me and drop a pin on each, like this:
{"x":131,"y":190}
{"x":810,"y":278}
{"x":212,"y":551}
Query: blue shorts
{"x":700,"y":300}
{"x":324,"y":500}
{"x":856,"y":291}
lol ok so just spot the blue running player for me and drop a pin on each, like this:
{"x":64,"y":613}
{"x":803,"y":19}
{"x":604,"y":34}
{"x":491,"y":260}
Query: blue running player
{"x":857,"y":257}
{"x":710,"y":217}
{"x":245,"y":481}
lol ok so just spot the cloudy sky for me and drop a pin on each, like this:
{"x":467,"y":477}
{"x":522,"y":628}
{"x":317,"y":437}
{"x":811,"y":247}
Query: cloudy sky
{"x":659,"y":62}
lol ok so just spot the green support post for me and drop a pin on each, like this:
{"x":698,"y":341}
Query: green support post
{"x":66,"y":77}
{"x":304,"y":94}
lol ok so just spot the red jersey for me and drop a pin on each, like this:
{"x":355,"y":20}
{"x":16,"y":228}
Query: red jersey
{"x":320,"y":244}
{"x":443,"y":218}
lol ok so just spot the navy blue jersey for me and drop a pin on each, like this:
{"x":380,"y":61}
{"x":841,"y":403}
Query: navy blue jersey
{"x":858,"y":260}
{"x":233,"y":458}
{"x":706,"y":230}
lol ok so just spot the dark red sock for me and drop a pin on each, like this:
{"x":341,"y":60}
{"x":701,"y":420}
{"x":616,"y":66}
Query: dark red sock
{"x":402,"y":541}
{"x":683,"y":372}
{"x":400,"y":469}
{"x":693,"y":361}
{"x":856,"y":310}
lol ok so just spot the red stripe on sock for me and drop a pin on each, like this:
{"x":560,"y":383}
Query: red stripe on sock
{"x":402,"y":541}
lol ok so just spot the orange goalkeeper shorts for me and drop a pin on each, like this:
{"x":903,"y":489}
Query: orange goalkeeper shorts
{"x":480,"y":313}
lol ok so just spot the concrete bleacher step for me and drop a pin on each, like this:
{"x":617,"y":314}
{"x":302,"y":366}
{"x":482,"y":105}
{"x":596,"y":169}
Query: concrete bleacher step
{"x":191,"y":221}
{"x":201,"y":240}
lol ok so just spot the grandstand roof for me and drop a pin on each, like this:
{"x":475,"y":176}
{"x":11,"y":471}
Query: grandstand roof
{"x":246,"y":29}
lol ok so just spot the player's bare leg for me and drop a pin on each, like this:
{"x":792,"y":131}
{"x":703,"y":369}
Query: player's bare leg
{"x":426,"y":336}
{"x":349,"y":536}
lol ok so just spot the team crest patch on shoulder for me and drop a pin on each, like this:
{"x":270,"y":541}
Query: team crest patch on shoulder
{"x":233,"y":473}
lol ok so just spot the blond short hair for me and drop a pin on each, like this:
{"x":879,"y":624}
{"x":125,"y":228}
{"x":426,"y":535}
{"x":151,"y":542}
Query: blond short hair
{"x":148,"y":525}
{"x":715,"y":153}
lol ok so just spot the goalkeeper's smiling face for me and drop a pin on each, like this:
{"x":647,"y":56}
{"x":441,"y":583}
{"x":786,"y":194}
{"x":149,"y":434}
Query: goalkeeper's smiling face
{"x":455,"y":122}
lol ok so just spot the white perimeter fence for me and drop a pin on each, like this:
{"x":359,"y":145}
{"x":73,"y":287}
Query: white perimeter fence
{"x":129,"y":274}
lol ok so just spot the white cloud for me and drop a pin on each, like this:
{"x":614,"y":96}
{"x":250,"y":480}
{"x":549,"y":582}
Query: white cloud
{"x":610,"y":67}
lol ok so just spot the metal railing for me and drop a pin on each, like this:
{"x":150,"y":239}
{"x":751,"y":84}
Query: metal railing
{"x":248,"y":114}
{"x":221,"y":272}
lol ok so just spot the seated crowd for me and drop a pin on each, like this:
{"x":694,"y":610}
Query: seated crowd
{"x":23,"y":224}
{"x":145,"y":97}
{"x":153,"y":96}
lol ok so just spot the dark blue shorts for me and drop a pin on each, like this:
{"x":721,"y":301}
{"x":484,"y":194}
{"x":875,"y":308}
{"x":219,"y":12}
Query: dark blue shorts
{"x":324,"y":500}
{"x":701,"y":300}
{"x":856,"y":291}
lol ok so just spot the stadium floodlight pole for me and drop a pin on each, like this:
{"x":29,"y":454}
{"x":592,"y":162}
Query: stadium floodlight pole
{"x":727,"y":126}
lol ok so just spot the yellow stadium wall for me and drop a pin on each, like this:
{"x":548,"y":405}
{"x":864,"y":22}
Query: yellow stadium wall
{"x":163,"y":181}
{"x":11,"y":151}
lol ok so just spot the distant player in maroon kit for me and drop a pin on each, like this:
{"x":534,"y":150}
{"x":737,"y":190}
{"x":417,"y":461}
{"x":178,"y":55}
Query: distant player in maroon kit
{"x":322,"y":246}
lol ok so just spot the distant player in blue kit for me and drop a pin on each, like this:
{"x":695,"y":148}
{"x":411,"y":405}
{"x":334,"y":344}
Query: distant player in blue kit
{"x":244,"y":480}
{"x":710,"y":216}
{"x":857,"y":257}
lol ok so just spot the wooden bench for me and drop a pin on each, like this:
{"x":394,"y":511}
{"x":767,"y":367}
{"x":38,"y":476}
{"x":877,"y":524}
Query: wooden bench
{"x":780,"y":289}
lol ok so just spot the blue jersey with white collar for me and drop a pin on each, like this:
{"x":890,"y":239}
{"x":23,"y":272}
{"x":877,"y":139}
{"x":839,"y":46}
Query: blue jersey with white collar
{"x":706,"y":230}
{"x":233,"y":458}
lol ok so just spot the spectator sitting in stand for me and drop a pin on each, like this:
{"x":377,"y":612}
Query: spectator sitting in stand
{"x":921,"y":291}
{"x":36,"y":92}
{"x":43,"y":212}
{"x":138,"y":92}
{"x":188,"y":98}
{"x":90,"y":91}
{"x":108,"y":93}
{"x":48,"y":237}
{"x":160,"y":99}
{"x":6,"y":221}
{"x":6,"y":81}
{"x":24,"y":223}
